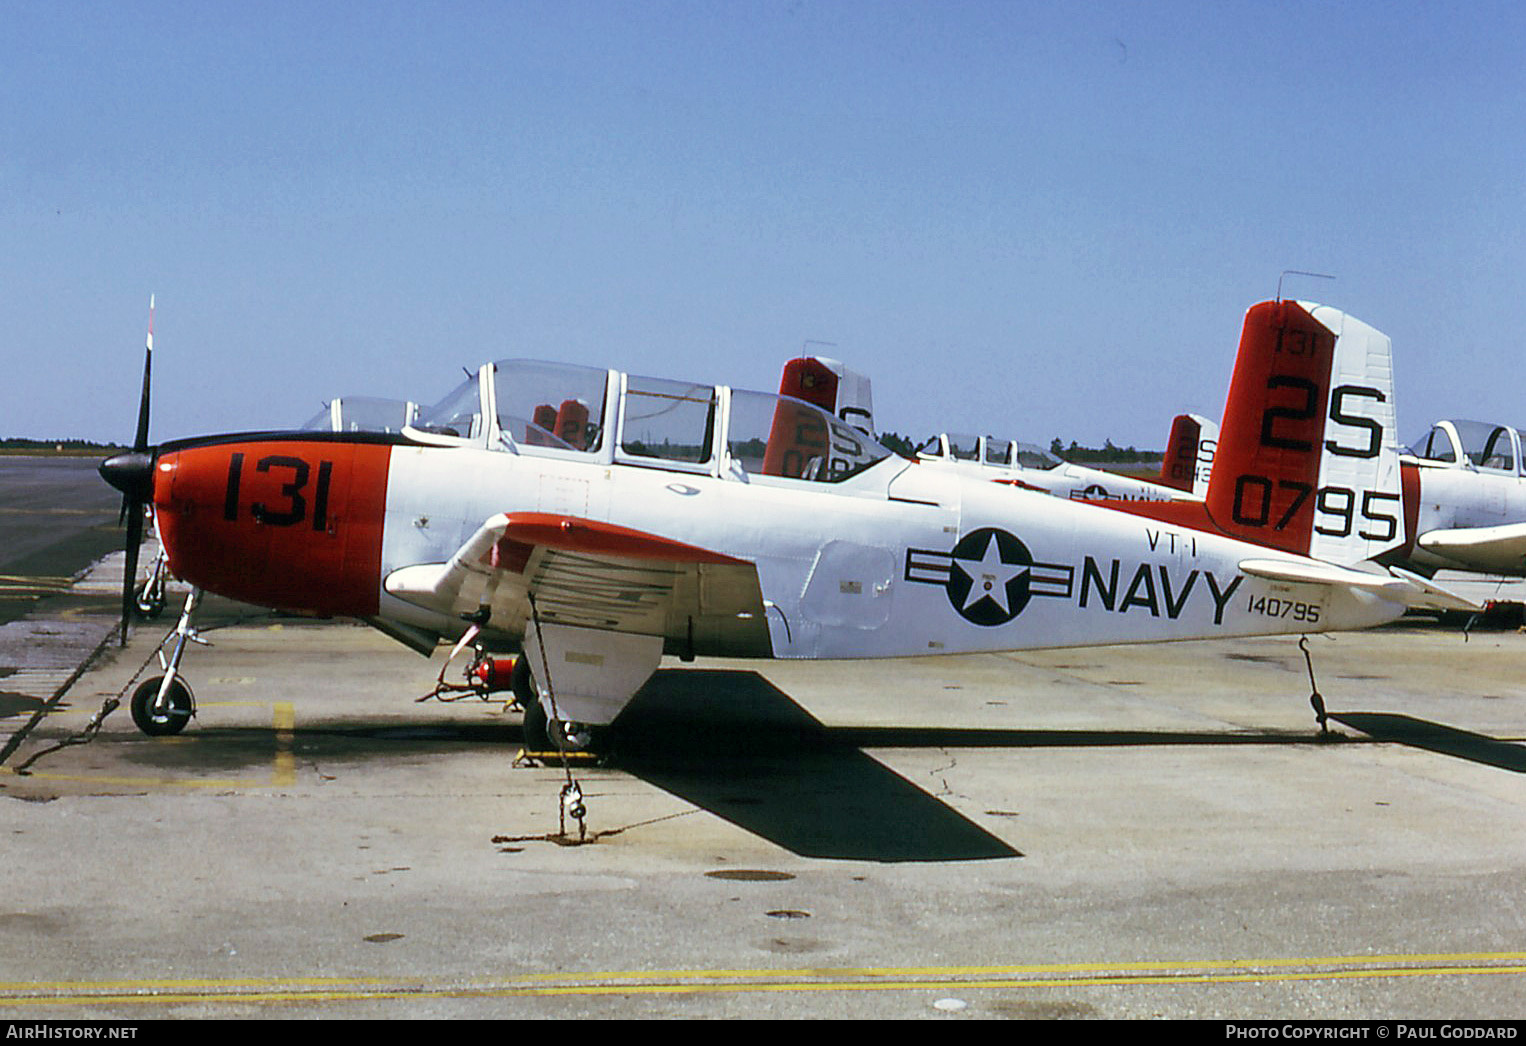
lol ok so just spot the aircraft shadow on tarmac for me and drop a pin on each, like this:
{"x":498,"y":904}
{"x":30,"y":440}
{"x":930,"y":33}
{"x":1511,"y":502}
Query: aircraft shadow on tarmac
{"x":733,"y":744}
{"x":1437,"y":737}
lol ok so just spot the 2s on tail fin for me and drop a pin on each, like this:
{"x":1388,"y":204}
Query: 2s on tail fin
{"x":1189,"y":454}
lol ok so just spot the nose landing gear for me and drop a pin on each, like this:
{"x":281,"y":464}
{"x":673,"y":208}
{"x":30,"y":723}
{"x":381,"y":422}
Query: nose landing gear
{"x":162,"y":715}
{"x":162,"y":706}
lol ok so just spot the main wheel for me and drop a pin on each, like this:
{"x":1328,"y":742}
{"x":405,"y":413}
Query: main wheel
{"x":570,"y":737}
{"x":173,"y":719}
{"x":536,"y":728}
{"x":523,"y":686}
{"x":541,"y":732}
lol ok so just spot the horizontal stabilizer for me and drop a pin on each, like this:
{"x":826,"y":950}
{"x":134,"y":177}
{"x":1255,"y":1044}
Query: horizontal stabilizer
{"x":1314,"y":572}
{"x":1399,"y":586}
{"x":1440,"y":598}
{"x":1500,"y":549}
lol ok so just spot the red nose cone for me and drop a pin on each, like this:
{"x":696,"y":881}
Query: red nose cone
{"x":290,"y":524}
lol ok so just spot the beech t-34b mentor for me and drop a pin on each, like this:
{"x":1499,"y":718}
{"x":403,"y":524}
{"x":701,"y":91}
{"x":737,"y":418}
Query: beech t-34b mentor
{"x":594,"y":521}
{"x":1467,"y":481}
{"x":1033,"y":468}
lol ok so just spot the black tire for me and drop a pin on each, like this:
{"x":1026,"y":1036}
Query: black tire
{"x":536,"y":738}
{"x":148,"y":603}
{"x":182,"y":707}
{"x":541,"y":732}
{"x":520,"y":683}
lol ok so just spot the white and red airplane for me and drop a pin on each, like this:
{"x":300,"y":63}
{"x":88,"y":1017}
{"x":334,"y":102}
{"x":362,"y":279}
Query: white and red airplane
{"x":1468,"y":486}
{"x":1184,"y":471}
{"x":1033,"y":468}
{"x":1188,"y":460}
{"x":594,"y":521}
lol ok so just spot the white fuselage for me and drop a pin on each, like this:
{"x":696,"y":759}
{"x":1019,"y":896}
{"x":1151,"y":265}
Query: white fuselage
{"x":899,"y":560}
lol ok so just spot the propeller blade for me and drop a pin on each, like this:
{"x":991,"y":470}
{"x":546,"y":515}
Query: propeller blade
{"x":140,"y":441}
{"x":130,"y":568}
{"x":133,"y":475}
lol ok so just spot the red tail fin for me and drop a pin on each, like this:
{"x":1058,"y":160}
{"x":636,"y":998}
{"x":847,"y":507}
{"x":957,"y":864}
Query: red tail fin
{"x":1179,"y":467}
{"x":1307,"y":458}
{"x":1266,"y":468}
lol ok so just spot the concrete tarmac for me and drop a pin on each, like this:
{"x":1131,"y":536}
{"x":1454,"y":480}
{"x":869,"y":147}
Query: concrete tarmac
{"x":1124,"y":832}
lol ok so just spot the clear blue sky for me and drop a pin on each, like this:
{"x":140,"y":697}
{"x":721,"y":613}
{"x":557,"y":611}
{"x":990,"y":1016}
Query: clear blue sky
{"x":1034,"y":219}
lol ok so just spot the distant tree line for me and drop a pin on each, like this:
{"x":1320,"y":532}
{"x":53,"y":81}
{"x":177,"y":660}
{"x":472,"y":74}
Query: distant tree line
{"x":55,"y":445}
{"x":1107,"y":454}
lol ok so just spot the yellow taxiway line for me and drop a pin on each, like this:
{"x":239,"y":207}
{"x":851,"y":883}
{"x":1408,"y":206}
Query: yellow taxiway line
{"x":283,"y":773}
{"x":677,"y":982}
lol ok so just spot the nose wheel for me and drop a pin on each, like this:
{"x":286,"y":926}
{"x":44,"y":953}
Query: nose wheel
{"x":166,"y":717}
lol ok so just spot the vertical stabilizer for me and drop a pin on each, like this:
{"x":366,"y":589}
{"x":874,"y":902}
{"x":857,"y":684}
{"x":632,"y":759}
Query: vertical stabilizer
{"x":831,"y":386}
{"x":1189,"y":454}
{"x":1308,"y":458}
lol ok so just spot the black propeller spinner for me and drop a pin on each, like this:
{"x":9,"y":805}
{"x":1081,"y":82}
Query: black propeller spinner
{"x":133,"y":474}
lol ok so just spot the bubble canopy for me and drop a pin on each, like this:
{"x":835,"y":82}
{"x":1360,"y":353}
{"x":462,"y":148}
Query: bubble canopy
{"x":1480,"y":444}
{"x":585,"y":413}
{"x":987,"y":450}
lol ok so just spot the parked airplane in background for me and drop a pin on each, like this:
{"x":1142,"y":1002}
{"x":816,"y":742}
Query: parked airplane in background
{"x":656,"y":516}
{"x":1188,"y":460}
{"x":835,"y":388}
{"x":1467,"y":486}
{"x":1033,"y":468}
{"x":363,"y":414}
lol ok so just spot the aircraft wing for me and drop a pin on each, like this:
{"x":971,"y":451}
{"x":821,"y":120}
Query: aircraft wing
{"x":580,"y":572}
{"x":1500,"y":549}
{"x":596,"y":603}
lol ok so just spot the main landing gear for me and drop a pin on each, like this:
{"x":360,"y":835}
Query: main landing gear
{"x":545,"y":737}
{"x":542,"y":733}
